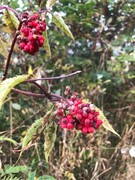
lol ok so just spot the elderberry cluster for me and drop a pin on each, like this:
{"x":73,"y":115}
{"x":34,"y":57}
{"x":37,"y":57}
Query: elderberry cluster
{"x":31,"y":37}
{"x":74,"y":113}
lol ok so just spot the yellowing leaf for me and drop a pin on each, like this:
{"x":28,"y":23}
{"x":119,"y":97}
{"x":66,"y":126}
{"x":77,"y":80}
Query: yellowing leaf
{"x":58,"y":20}
{"x":106,"y":123}
{"x":46,"y":44}
{"x":10,"y":20}
{"x":50,"y":3}
{"x":7,"y":85}
{"x":50,"y":137}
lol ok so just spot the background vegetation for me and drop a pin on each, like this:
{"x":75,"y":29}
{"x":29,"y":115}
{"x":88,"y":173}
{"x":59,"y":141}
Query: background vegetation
{"x":104,"y":51}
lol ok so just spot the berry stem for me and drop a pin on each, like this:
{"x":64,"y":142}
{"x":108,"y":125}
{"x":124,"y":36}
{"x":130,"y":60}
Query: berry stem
{"x":48,"y":95}
{"x":53,"y":78}
{"x":28,"y":93}
{"x":11,"y":50}
{"x":51,"y":97}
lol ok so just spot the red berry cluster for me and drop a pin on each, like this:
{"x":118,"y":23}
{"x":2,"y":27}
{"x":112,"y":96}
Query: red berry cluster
{"x":31,"y":33}
{"x":76,"y":114}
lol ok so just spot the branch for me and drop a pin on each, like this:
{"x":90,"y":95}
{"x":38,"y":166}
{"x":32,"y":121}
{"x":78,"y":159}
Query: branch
{"x":52,"y":97}
{"x":11,"y":50}
{"x":57,"y":77}
{"x":28,"y":93}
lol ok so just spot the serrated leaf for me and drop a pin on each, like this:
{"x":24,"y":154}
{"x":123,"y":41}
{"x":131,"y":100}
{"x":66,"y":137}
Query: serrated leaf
{"x":106,"y":123}
{"x":46,"y":44}
{"x":50,"y":137}
{"x":7,"y":85}
{"x":58,"y":20}
{"x":33,"y":130}
{"x":50,"y":3}
{"x":3,"y":49}
{"x":10,"y":20}
{"x":3,"y":138}
{"x":15,"y":169}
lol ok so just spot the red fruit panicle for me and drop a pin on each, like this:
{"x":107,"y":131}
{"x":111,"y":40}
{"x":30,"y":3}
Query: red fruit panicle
{"x":32,"y":29}
{"x":78,"y":115}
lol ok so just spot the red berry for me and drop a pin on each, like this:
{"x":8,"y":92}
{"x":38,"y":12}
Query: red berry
{"x":78,"y":116}
{"x":90,"y":130}
{"x":22,"y":45}
{"x":85,"y":130}
{"x":70,"y":126}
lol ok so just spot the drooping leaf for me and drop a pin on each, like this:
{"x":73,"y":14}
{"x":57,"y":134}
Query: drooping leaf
{"x":50,"y":3}
{"x":58,"y":20}
{"x":3,"y":48}
{"x":46,"y":44}
{"x":106,"y":123}
{"x":7,"y":85}
{"x":10,"y":20}
{"x":3,"y":138}
{"x":50,"y":137}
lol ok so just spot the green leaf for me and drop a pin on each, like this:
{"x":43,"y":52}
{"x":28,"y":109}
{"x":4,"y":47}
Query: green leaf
{"x":106,"y":123}
{"x":3,"y":138}
{"x":46,"y":177}
{"x":16,"y":106}
{"x":15,"y":169}
{"x":31,"y":175}
{"x":3,"y":48}
{"x":50,"y":3}
{"x":50,"y":137}
{"x":10,"y":20}
{"x":7,"y":85}
{"x":46,"y":44}
{"x":34,"y":129}
{"x":58,"y":20}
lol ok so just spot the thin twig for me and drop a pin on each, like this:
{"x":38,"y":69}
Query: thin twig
{"x":53,"y":78}
{"x":11,"y":50}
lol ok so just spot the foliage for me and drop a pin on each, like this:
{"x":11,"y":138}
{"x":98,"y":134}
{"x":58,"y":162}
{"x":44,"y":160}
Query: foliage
{"x":104,"y":51}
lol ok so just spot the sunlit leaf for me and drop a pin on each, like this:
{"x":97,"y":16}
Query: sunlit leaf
{"x":50,"y":137}
{"x":10,"y":20}
{"x":58,"y":20}
{"x":106,"y":123}
{"x":7,"y":85}
{"x":46,"y":44}
{"x":50,"y":3}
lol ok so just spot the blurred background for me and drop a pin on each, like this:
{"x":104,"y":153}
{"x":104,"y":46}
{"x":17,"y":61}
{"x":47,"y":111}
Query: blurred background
{"x":103,"y":50}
